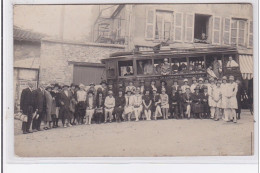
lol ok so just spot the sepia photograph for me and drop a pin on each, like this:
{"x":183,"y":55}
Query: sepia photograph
{"x":133,"y":80}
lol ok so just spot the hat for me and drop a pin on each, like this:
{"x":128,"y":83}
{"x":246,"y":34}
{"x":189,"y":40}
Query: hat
{"x":99,"y":90}
{"x":164,"y":82}
{"x":81,"y":85}
{"x":56,"y":85}
{"x":48,"y":87}
{"x":187,"y":87}
{"x":194,"y":78}
{"x":92,"y":83}
{"x":72,"y":84}
{"x":231,"y":78}
{"x":185,"y":80}
{"x":103,"y":82}
{"x":224,"y":78}
{"x":200,"y":79}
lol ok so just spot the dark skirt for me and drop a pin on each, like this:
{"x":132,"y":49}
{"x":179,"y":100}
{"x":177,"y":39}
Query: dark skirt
{"x":197,"y":108}
{"x":119,"y":111}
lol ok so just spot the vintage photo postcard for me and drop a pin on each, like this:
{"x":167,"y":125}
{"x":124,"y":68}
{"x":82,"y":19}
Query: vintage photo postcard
{"x":133,"y":80}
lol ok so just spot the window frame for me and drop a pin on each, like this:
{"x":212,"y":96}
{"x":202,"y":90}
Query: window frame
{"x":192,"y":28}
{"x":219,"y":30}
{"x":238,"y":29}
{"x":171,"y":32}
{"x":119,"y":70}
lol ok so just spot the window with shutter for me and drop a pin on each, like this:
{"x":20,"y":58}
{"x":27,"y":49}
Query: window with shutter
{"x":238,"y":32}
{"x":163,"y":25}
{"x":250,"y":34}
{"x":216,"y":30}
{"x":149,"y":31}
{"x":178,"y":26}
{"x":226,"y":31}
{"x":189,"y":29}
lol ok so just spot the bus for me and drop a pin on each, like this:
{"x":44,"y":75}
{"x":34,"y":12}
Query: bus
{"x":173,"y":64}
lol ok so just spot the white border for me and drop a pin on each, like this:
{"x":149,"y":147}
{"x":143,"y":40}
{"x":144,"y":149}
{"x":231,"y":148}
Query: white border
{"x":8,"y":97}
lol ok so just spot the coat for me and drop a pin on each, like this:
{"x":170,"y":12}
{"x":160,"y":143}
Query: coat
{"x":65,"y":104}
{"x":197,"y":106}
{"x":27,"y":101}
{"x":205,"y":102}
{"x":39,"y":101}
{"x":49,"y":101}
{"x":229,"y":99}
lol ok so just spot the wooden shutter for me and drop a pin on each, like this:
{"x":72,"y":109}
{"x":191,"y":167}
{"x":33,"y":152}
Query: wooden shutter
{"x":216,"y":30}
{"x":226,"y":30}
{"x":189,"y":28}
{"x":178,"y":26}
{"x":250,"y":34}
{"x":172,"y":27}
{"x":149,"y":29}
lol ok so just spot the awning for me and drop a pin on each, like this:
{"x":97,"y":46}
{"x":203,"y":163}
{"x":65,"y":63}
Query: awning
{"x":246,"y":66}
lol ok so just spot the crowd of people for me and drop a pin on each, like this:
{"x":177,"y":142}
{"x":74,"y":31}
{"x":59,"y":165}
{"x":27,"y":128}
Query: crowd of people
{"x":75,"y":104}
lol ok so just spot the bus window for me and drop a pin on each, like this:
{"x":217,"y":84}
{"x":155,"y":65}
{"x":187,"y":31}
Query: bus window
{"x":125,"y":68}
{"x":144,"y":67}
{"x":196,"y":64}
{"x":179,"y":65}
{"x":162,"y":66}
{"x":230,"y":61}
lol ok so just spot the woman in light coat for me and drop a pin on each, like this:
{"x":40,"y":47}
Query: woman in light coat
{"x":48,"y":101}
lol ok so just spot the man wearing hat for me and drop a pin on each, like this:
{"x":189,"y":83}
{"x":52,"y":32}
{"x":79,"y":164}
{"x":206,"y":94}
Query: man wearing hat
{"x":231,"y":63}
{"x":104,"y":87}
{"x":185,"y":85}
{"x":55,"y":105}
{"x":48,"y":101}
{"x":205,"y":102}
{"x":224,"y":86}
{"x":81,"y":103}
{"x":175,"y":66}
{"x":40,"y":107}
{"x":27,"y":106}
{"x":175,"y":86}
{"x":90,"y":106}
{"x":119,"y":106}
{"x":165,"y":68}
{"x":109,"y":106}
{"x":233,"y":98}
{"x":65,"y":113}
{"x":193,"y":85}
{"x":92,"y":88}
{"x":200,"y":84}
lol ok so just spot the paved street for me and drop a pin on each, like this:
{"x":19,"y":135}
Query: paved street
{"x":145,"y":138}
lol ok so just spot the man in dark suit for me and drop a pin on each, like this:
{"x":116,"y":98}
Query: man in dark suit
{"x":27,"y":107}
{"x":65,"y":113}
{"x":40,"y":107}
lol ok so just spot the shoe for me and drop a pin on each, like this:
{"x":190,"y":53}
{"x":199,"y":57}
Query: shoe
{"x":65,"y":126}
{"x":34,"y":130}
{"x":29,"y":131}
{"x":25,"y":132}
{"x":39,"y":129}
{"x":234,"y":121}
{"x":69,"y":125}
{"x":216,"y":119}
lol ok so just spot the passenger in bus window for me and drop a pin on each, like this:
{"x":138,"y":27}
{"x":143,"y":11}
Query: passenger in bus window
{"x":210,"y":72}
{"x":128,"y":71}
{"x":192,"y":67}
{"x":140,"y":67}
{"x":165,"y":68}
{"x":175,"y":67}
{"x":148,"y":67}
{"x":182,"y":67}
{"x":216,"y":67}
{"x":199,"y":68}
{"x":231,"y":63}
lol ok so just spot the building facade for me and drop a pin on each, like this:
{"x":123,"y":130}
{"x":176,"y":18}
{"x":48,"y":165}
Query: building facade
{"x":143,"y":27}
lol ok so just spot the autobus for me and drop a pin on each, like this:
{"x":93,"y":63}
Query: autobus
{"x":182,"y":63}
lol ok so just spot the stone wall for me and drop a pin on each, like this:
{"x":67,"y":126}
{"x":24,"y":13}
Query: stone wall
{"x":26,"y":49}
{"x":56,"y":55}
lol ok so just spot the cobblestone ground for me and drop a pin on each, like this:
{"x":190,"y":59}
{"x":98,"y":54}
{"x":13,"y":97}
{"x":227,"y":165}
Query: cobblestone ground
{"x":144,"y":138}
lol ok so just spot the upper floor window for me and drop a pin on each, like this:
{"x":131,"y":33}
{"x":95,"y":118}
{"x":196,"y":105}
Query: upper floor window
{"x":201,"y":28}
{"x":238,"y":32}
{"x":163,"y":25}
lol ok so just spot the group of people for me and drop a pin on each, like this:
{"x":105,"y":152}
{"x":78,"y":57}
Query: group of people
{"x":78,"y":104}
